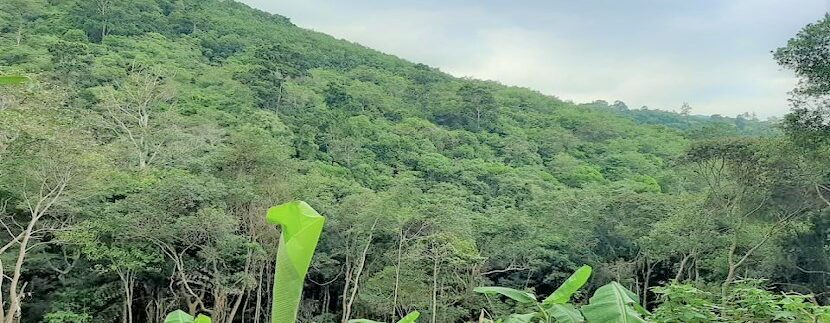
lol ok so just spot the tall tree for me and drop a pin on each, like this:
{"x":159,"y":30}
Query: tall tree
{"x":134,"y":109}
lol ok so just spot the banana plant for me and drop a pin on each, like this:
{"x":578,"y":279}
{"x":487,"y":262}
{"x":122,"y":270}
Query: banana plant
{"x":614,"y":303}
{"x":12,"y":79}
{"x":610,"y":303}
{"x":179,"y":316}
{"x":301,"y":229}
{"x":409,"y":318}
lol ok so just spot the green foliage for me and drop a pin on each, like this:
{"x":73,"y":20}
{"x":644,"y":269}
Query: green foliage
{"x":571,"y":285}
{"x":610,"y":303}
{"x":409,"y":318}
{"x":565,"y":313}
{"x":516,"y":295}
{"x":684,"y":303}
{"x":743,"y":302}
{"x":12,"y":79}
{"x":178,"y":316}
{"x":67,"y":317}
{"x":805,"y":54}
{"x":613,"y":303}
{"x":176,"y":124}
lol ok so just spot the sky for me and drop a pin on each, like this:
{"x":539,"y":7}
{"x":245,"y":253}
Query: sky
{"x":715,"y":55}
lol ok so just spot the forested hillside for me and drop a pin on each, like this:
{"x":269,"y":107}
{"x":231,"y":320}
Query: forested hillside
{"x":139,"y":158}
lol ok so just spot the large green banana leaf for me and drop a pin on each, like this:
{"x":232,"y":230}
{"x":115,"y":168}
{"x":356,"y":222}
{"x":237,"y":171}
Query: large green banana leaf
{"x":178,"y":316}
{"x":301,"y":228}
{"x":613,"y":303}
{"x":516,"y":295}
{"x":520,"y":318}
{"x":409,"y":318}
{"x":563,"y":294}
{"x":12,"y":79}
{"x":565,"y":313}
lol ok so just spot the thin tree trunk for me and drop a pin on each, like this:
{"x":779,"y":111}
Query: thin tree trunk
{"x":14,"y":297}
{"x":683,"y":261}
{"x":730,"y":275}
{"x":2,"y":303}
{"x":346,"y":287}
{"x":258,"y":306}
{"x":348,"y":309}
{"x":647,"y":278}
{"x":279,"y":98}
{"x":434,"y":288}
{"x":127,"y":281}
{"x":326,"y":300}
{"x":397,"y":277}
{"x":697,"y":271}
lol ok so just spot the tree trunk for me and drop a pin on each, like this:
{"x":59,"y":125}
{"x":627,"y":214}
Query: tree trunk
{"x":397,"y":276}
{"x":361,"y":264}
{"x":683,"y":261}
{"x":127,"y":282}
{"x":258,"y":306}
{"x":732,"y":266}
{"x":647,"y":278}
{"x":434,"y":288}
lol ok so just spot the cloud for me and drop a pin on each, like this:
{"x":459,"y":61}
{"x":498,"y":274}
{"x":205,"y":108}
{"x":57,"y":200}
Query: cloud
{"x":713,"y":54}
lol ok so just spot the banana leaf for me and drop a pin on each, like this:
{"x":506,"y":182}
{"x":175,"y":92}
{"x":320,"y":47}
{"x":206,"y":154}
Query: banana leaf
{"x":613,"y":303}
{"x":12,"y":79}
{"x":178,"y":316}
{"x":409,"y":318}
{"x":565,"y":313}
{"x":516,"y":295}
{"x":520,"y":318}
{"x":301,"y":229}
{"x":563,"y":294}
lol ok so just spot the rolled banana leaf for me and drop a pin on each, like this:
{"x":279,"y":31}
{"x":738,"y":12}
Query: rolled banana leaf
{"x":301,"y":228}
{"x":12,"y":79}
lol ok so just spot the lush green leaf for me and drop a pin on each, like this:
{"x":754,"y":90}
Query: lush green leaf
{"x":571,"y":285}
{"x":516,"y":295}
{"x":178,"y":316}
{"x":612,"y":303}
{"x":565,"y":313}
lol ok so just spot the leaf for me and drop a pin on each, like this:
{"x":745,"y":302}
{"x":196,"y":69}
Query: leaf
{"x":12,"y":79}
{"x":612,"y":303}
{"x":178,"y":316}
{"x":565,"y":313}
{"x":520,"y":318}
{"x":410,"y":318}
{"x":202,"y":319}
{"x":571,"y":285}
{"x":301,"y":229}
{"x":516,"y":295}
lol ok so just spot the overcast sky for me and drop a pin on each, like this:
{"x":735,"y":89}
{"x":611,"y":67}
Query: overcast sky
{"x":713,"y":54}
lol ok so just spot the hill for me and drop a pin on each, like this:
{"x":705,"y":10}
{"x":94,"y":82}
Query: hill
{"x":155,"y":133}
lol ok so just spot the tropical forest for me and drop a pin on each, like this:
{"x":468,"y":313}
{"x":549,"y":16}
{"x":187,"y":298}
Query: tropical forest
{"x":204,"y":161}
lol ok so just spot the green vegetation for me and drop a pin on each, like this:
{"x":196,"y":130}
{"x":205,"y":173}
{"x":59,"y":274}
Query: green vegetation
{"x":408,"y":318}
{"x":301,"y":228}
{"x":179,"y":316}
{"x":151,"y":137}
{"x":610,"y":303}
